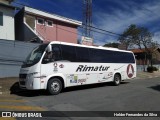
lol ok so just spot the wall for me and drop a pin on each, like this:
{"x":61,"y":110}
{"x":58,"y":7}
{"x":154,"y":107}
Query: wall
{"x":58,"y":32}
{"x":29,"y":34}
{"x":12,"y":54}
{"x":66,"y":33}
{"x":19,"y":29}
{"x":7,"y":30}
{"x":140,"y":68}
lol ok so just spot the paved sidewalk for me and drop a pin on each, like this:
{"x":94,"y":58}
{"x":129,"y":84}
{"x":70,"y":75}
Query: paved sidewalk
{"x":8,"y":84}
{"x":11,"y":102}
{"x":145,"y":75}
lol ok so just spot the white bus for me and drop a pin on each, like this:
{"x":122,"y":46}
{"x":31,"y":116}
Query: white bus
{"x":58,"y":65}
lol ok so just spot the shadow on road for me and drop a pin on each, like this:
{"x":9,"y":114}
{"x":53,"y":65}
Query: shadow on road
{"x":15,"y":89}
{"x":84,"y":87}
{"x":157,"y":87}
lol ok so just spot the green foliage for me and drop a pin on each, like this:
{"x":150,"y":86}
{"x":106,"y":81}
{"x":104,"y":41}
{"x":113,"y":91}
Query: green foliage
{"x":139,"y":37}
{"x":129,"y":36}
{"x":151,"y":69}
{"x":114,"y":45}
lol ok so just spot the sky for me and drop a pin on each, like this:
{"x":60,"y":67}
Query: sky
{"x":110,"y":15}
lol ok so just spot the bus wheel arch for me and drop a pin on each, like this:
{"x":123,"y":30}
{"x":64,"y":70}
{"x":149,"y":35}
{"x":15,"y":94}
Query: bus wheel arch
{"x":117,"y":79}
{"x":55,"y":85}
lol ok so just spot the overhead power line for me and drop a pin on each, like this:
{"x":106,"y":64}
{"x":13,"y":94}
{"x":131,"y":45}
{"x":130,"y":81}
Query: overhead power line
{"x":100,"y":29}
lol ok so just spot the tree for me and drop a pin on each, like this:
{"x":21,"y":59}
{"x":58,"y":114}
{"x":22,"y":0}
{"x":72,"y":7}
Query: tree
{"x":140,"y":37}
{"x":129,"y":36}
{"x":114,"y":45}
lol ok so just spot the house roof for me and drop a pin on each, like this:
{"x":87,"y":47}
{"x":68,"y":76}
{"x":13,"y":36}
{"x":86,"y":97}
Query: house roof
{"x":8,"y":6}
{"x":53,"y":16}
{"x":6,"y":1}
{"x":142,"y":50}
{"x":137,"y":50}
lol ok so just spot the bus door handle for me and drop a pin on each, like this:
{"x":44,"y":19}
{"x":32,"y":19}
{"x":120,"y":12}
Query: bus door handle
{"x":100,"y":73}
{"x":88,"y":74}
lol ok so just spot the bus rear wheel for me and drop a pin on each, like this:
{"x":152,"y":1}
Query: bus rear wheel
{"x":117,"y":79}
{"x":54,"y":86}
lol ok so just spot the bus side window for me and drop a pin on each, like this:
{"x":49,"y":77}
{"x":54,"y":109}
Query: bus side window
{"x":69,"y":53}
{"x":82,"y":54}
{"x":56,"y":53}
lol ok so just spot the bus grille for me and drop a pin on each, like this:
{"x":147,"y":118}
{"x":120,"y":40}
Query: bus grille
{"x":23,"y":76}
{"x":22,"y":82}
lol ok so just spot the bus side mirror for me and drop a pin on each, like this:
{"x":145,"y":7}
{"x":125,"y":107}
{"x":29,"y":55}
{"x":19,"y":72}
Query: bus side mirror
{"x":49,"y":48}
{"x":44,"y":61}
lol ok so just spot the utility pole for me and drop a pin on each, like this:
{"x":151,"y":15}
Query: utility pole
{"x":87,"y":22}
{"x":87,"y":17}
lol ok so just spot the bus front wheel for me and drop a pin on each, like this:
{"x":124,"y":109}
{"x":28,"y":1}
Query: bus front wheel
{"x":117,"y":79}
{"x":54,"y":86}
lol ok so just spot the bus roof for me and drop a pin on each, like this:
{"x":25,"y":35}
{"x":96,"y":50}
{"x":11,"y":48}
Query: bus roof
{"x":95,"y":47}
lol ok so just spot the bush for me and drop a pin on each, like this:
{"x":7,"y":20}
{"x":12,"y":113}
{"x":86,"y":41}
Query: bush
{"x":151,"y":69}
{"x":155,"y":69}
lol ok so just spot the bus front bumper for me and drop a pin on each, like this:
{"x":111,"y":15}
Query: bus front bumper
{"x":29,"y":82}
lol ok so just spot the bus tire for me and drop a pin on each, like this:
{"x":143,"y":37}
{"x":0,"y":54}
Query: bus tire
{"x":54,"y":86}
{"x":117,"y":79}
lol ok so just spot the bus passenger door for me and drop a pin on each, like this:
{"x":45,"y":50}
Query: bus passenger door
{"x":49,"y":63}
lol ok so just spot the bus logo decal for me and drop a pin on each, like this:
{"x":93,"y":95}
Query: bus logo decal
{"x":73,"y":78}
{"x":82,"y":68}
{"x":61,"y":66}
{"x":130,"y":71}
{"x":55,"y":67}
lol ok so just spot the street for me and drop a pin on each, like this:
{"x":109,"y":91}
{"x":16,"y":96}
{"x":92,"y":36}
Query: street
{"x":131,"y":95}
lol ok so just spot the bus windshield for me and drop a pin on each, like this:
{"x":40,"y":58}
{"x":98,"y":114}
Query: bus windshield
{"x":35,"y":56}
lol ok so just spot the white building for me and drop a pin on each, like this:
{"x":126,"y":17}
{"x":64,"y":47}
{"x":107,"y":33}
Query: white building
{"x":7,"y":27}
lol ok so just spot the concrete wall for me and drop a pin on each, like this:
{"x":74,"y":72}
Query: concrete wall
{"x":29,"y":34}
{"x":19,"y":29}
{"x":141,"y":68}
{"x":7,"y":31}
{"x":12,"y":54}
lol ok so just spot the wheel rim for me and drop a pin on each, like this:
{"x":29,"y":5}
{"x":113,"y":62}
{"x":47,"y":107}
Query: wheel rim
{"x":55,"y":86}
{"x":117,"y":80}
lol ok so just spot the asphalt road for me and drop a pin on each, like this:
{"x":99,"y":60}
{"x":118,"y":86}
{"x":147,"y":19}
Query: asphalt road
{"x":131,"y":95}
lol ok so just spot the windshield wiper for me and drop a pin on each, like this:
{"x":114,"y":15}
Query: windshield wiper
{"x":29,"y":62}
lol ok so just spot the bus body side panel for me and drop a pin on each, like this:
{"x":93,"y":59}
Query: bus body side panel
{"x":89,"y":73}
{"x":49,"y":71}
{"x":75,"y":74}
